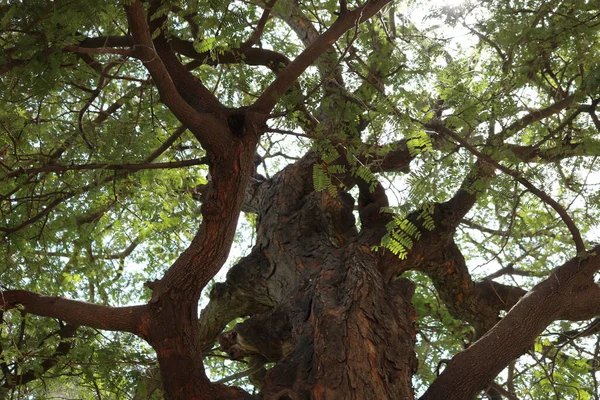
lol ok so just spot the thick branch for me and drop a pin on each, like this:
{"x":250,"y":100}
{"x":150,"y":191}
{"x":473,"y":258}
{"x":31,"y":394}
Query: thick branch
{"x":584,"y":305}
{"x":211,"y":132}
{"x":107,"y":41}
{"x":245,"y":292}
{"x":288,"y":76}
{"x":466,"y":196}
{"x":123,"y":319}
{"x":477,"y":303}
{"x":4,"y":68}
{"x":559,"y":296}
{"x":255,"y":56}
{"x":188,"y":86}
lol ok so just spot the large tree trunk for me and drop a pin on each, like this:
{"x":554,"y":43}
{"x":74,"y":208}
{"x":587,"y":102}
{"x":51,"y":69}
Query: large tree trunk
{"x":324,"y":305}
{"x":335,"y":328}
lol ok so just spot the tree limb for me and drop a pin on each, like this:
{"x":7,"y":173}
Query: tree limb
{"x":579,"y":245}
{"x":189,"y":87}
{"x":255,"y":37}
{"x":210,"y":131}
{"x":288,"y":76}
{"x":564,"y":294}
{"x":75,"y":312}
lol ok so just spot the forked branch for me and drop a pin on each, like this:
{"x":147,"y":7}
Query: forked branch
{"x":579,"y":245}
{"x":566,"y":294}
{"x":211,"y":132}
{"x":290,"y":74}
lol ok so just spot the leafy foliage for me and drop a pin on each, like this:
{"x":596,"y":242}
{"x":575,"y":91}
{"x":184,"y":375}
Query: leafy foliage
{"x":493,"y":72}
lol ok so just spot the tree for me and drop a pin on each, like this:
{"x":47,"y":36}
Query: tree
{"x":419,"y":182}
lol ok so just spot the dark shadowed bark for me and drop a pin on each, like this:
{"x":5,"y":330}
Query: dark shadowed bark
{"x":336,"y":328}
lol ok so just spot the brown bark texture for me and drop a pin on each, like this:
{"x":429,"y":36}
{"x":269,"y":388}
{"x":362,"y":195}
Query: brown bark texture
{"x":326,"y":305}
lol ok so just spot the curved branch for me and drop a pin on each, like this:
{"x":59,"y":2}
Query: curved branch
{"x":75,"y":312}
{"x":188,"y":86}
{"x":564,"y":294}
{"x":579,"y":245}
{"x":250,"y":56}
{"x":245,"y":292}
{"x":478,"y":303}
{"x":269,"y":58}
{"x":211,"y":132}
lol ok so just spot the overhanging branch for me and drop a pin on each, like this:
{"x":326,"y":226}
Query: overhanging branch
{"x":579,"y":245}
{"x":75,"y":312}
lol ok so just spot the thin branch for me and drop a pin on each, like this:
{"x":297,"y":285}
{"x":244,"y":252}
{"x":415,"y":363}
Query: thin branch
{"x":104,"y":42}
{"x":66,"y":332}
{"x":504,"y":392}
{"x":51,"y":206}
{"x":510,"y":270}
{"x":538,"y":115}
{"x":102,"y":50}
{"x":255,"y":37}
{"x":94,"y":94}
{"x":241,"y":374}
{"x":115,"y":167}
{"x":579,"y":244}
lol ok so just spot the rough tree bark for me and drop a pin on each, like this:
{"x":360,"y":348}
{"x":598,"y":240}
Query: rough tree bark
{"x":229,"y":136}
{"x":325,"y":306}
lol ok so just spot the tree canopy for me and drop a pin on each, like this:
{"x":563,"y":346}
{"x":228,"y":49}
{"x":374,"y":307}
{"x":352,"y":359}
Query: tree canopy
{"x":291,"y":199}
